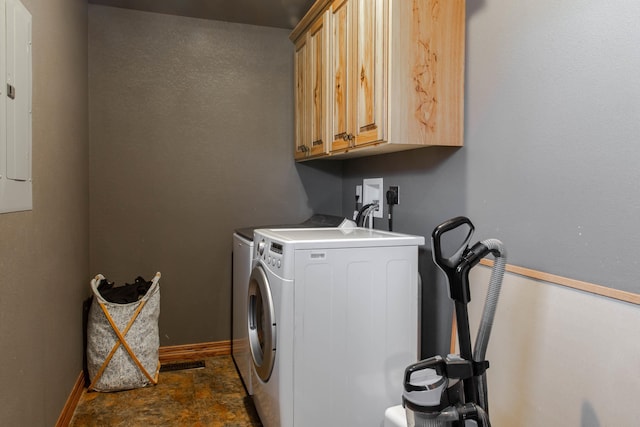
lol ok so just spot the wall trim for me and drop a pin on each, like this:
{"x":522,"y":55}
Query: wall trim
{"x":591,"y":288}
{"x":167,"y":354}
{"x":72,"y":402}
{"x":176,"y":353}
{"x":625,"y":296}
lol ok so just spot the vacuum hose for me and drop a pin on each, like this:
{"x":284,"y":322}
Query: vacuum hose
{"x":484,"y":331}
{"x":495,"y":283}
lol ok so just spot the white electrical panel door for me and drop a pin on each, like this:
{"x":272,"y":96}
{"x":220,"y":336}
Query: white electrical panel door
{"x":15,"y":107}
{"x":19,"y":104}
{"x":3,"y":98}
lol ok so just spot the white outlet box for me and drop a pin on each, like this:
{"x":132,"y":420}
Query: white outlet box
{"x":372,"y":193}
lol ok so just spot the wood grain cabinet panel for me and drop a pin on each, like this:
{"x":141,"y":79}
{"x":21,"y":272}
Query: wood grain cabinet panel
{"x":340,"y":103}
{"x":301,"y":74}
{"x":370,"y":73}
{"x":311,"y":59}
{"x":394,"y":75}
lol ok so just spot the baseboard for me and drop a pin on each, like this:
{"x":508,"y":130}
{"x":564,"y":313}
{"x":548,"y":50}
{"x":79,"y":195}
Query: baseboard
{"x":176,"y":353}
{"x":72,"y":401}
{"x":167,"y":354}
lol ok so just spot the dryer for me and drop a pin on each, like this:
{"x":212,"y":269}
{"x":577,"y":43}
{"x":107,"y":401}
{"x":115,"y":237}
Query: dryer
{"x":242,"y":264}
{"x":332,"y":324}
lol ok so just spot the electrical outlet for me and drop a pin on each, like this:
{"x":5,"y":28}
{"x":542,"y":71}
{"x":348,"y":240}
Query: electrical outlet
{"x":395,"y":189}
{"x":372,"y":193}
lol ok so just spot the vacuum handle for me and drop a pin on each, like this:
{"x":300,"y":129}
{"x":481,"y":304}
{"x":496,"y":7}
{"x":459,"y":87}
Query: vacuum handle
{"x":436,"y":237}
{"x":437,"y":363}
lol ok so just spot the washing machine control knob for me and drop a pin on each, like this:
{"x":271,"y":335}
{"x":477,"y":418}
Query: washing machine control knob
{"x":261,"y":247}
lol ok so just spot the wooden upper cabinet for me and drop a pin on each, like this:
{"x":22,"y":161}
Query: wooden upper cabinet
{"x":395,"y":75}
{"x":311,"y":92}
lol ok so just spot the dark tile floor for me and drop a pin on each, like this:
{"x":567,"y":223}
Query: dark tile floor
{"x":209,"y":397}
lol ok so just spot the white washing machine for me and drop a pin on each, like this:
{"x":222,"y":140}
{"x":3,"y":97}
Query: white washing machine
{"x":242,"y":265}
{"x":332,"y":323}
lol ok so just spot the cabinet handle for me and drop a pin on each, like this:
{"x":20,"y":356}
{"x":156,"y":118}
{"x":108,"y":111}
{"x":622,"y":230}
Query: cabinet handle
{"x":317,"y":142}
{"x":352,"y":140}
{"x":345,"y":137}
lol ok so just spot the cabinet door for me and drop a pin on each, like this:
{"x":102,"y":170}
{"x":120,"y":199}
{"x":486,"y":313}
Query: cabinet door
{"x":301,"y":94}
{"x":341,"y":28}
{"x":318,"y":58}
{"x":359,"y":58}
{"x":370,"y":72}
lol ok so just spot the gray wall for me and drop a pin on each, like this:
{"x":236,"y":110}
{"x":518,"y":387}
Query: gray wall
{"x":191,"y":130}
{"x":44,"y":252}
{"x":551,"y":144}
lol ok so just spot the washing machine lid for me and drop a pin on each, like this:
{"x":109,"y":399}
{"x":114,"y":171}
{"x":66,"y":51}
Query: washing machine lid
{"x":315,"y":221}
{"x":320,"y":238}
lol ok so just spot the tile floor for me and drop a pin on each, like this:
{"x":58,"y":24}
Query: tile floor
{"x":209,"y":397}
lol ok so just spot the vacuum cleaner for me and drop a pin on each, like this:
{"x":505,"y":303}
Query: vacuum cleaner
{"x":452,"y":390}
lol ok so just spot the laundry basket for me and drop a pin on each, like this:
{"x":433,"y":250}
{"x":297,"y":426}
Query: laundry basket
{"x":123,"y":340}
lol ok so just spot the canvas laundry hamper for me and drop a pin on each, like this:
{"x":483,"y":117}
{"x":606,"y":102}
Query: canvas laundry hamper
{"x":123,"y":340}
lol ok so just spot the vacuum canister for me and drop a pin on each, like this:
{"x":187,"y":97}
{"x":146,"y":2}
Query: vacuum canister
{"x":429,"y":395}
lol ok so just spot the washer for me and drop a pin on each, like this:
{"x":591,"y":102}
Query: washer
{"x":242,"y":264}
{"x":332,"y":324}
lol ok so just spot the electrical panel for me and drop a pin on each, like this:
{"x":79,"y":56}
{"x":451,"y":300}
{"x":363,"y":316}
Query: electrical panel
{"x":15,"y":107}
